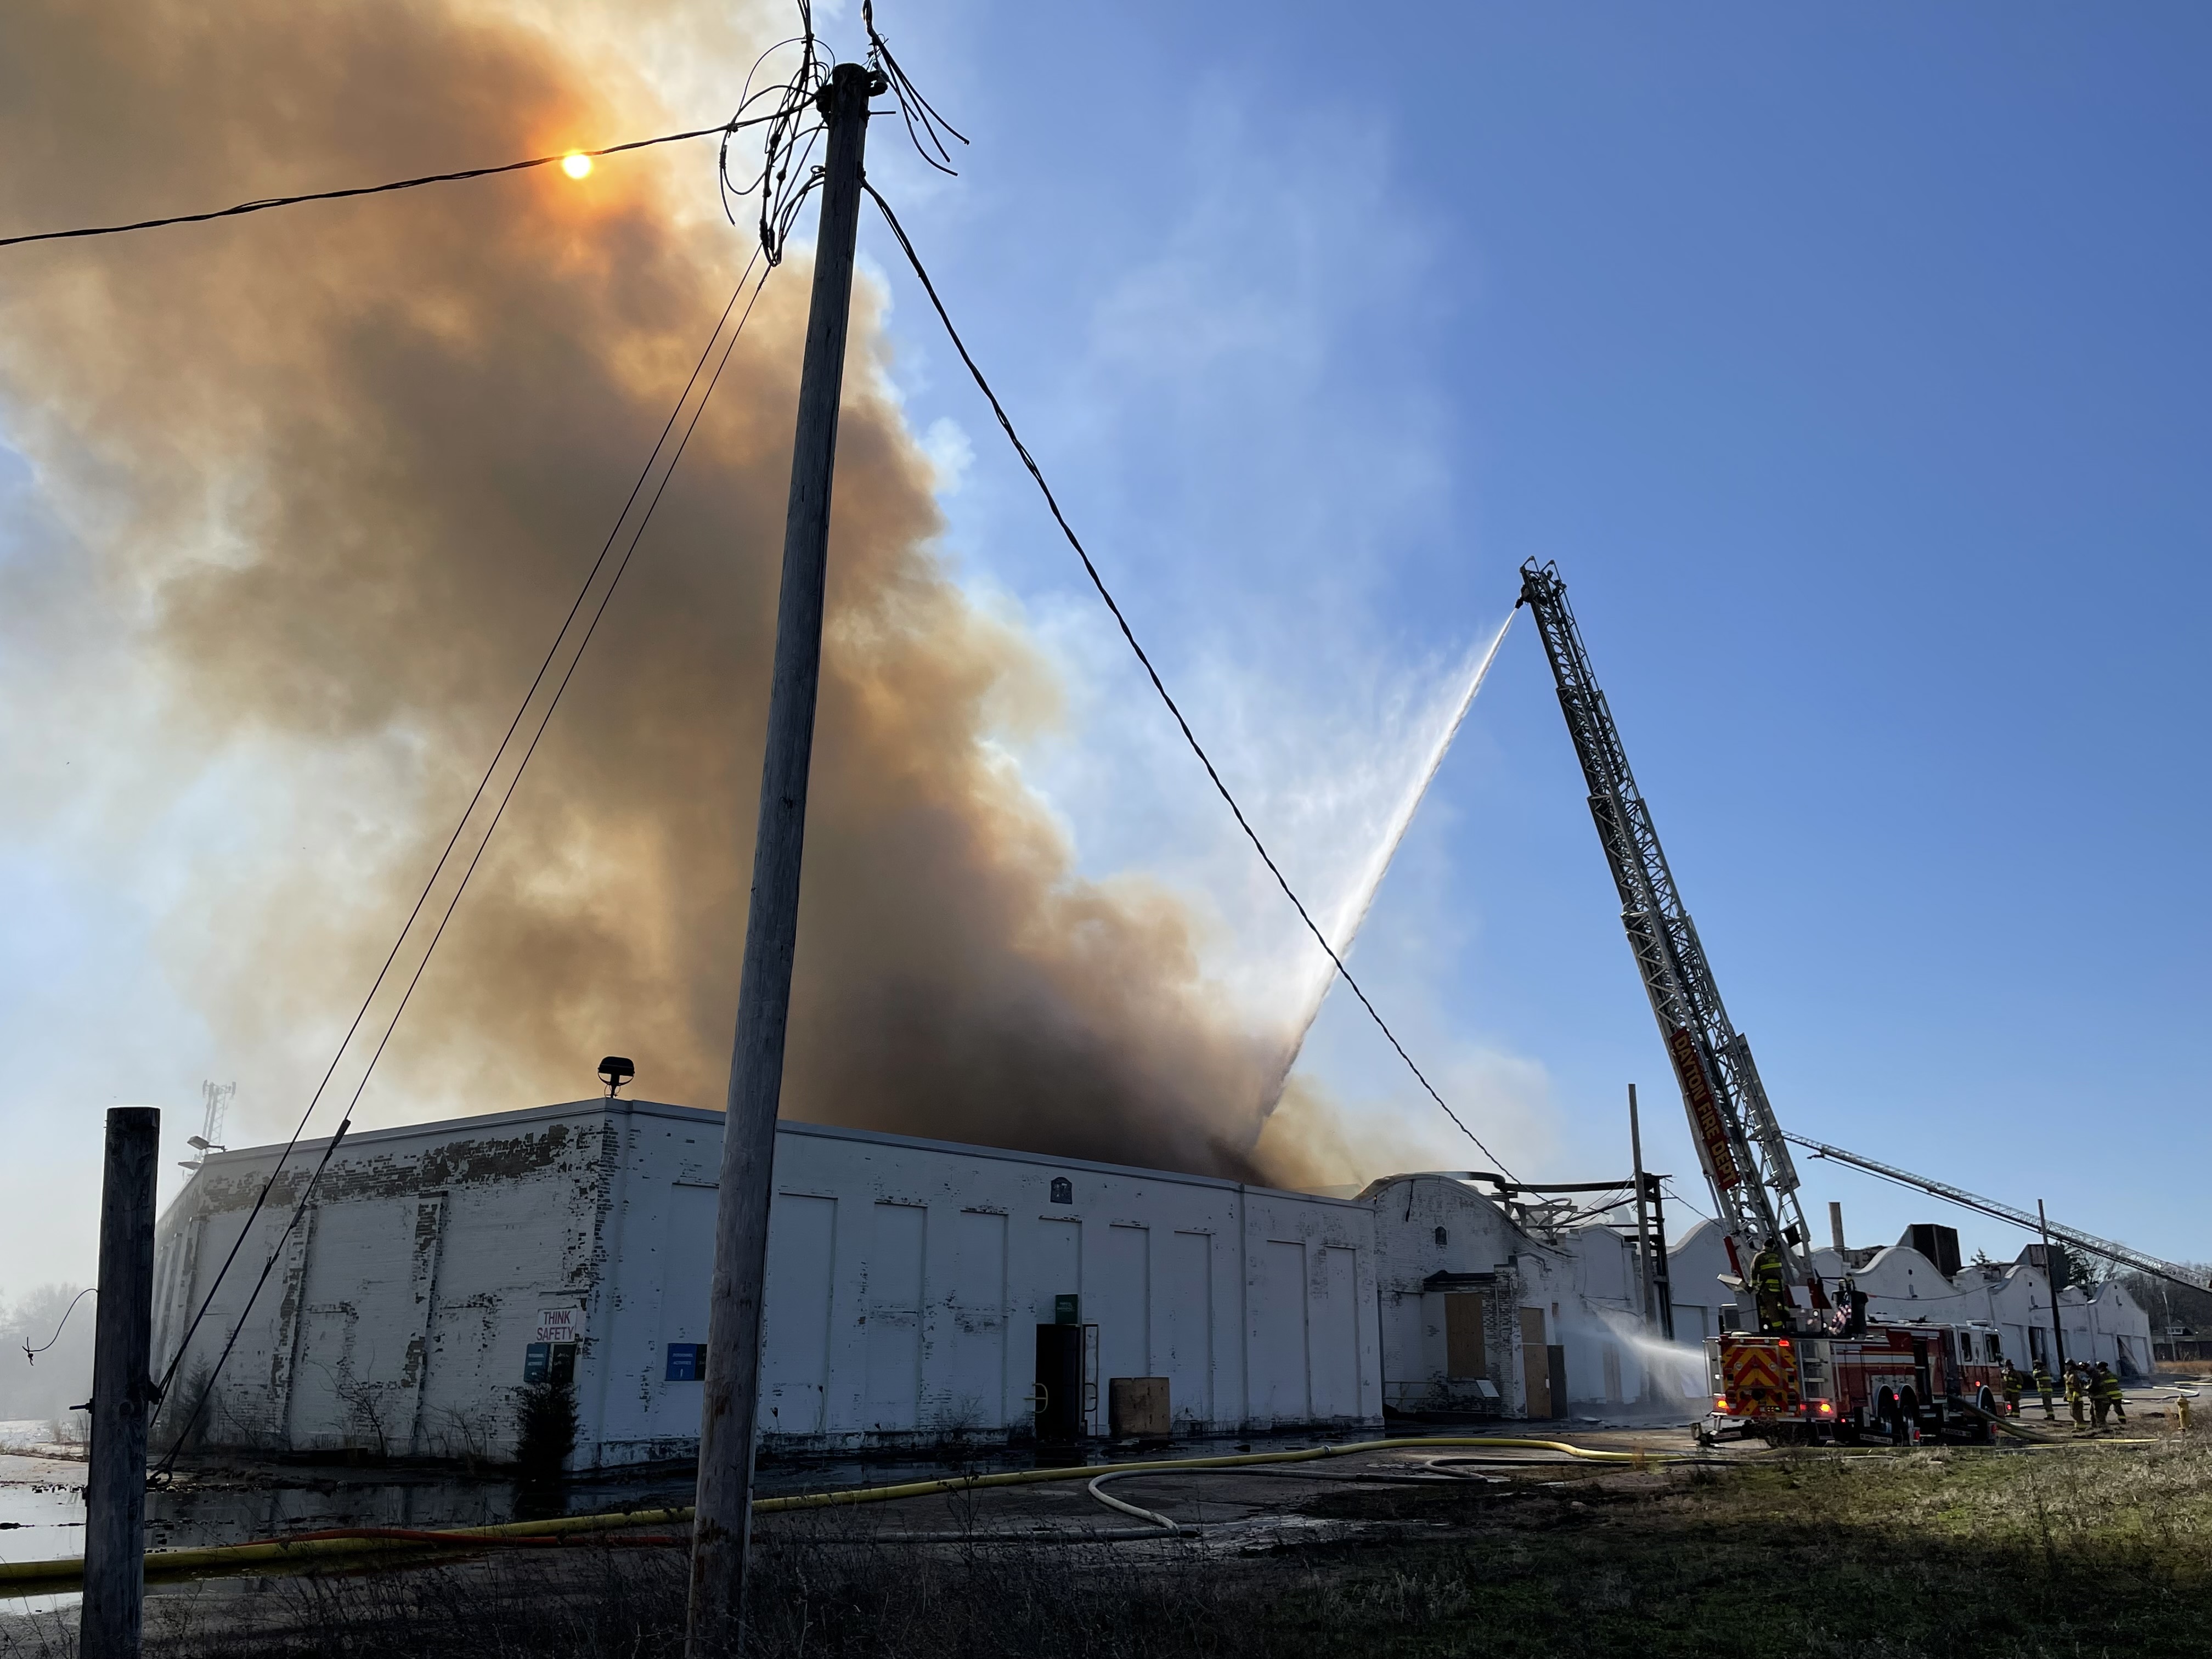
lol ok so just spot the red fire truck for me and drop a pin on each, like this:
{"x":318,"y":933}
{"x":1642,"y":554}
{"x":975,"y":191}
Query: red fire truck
{"x":1896,"y":1381}
{"x":1818,"y":1369}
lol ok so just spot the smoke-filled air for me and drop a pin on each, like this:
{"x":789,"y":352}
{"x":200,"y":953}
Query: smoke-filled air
{"x":341,"y":472}
{"x":327,"y":480}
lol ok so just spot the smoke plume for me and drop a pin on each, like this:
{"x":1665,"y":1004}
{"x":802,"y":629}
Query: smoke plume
{"x":337,"y":470}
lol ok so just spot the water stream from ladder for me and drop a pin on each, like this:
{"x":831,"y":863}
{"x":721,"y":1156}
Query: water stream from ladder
{"x":1344,"y":926}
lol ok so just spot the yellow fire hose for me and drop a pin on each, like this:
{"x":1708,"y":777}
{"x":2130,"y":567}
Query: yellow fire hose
{"x":23,"y":1578}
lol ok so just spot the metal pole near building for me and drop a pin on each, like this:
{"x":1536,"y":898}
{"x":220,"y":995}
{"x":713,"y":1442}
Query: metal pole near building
{"x":109,"y":1623}
{"x":722,"y":1528}
{"x":1643,"y":1218}
{"x":1662,"y":1280}
{"x":2050,"y":1280}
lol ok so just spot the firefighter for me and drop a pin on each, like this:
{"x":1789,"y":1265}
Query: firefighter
{"x":2014,"y":1382}
{"x":2077,"y":1393}
{"x":2046,"y":1386}
{"x":1770,"y":1288}
{"x":2111,"y":1397}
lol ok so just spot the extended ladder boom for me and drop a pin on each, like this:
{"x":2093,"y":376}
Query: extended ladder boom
{"x":1746,"y":1162}
{"x":2087,"y":1243}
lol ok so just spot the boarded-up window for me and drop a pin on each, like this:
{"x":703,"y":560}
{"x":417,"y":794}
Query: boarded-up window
{"x":1465,"y":1354}
{"x":802,"y":1232}
{"x":1186,"y":1317}
{"x":1279,"y":1296}
{"x":976,"y":1385}
{"x":1119,"y":1301}
{"x":1334,"y":1327}
{"x":894,"y":1316}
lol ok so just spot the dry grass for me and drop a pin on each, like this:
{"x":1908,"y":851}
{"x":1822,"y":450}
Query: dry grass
{"x":2086,"y":1551}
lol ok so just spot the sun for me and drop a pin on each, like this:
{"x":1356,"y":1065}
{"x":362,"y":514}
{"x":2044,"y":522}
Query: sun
{"x":576,"y":164}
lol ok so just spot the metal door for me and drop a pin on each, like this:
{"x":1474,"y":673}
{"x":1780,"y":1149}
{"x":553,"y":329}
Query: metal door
{"x":1062,"y":1411}
{"x":1535,"y":1366}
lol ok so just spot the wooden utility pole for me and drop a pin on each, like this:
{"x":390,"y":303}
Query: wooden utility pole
{"x":110,"y":1621}
{"x":722,"y":1529}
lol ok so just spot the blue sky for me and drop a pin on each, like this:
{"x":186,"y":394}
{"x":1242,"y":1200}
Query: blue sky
{"x":1855,"y":369}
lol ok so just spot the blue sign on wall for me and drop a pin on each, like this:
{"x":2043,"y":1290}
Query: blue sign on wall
{"x":687,"y":1362}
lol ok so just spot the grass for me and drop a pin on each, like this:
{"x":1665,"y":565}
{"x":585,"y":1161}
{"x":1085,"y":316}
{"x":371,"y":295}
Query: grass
{"x":2079,"y":1552}
{"x":2103,"y":1550}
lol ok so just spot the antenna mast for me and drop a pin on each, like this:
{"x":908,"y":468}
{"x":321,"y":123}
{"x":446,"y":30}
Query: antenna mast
{"x":1746,"y":1162}
{"x":218,"y":1096}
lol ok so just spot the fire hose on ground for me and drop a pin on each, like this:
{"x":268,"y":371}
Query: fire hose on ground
{"x":351,"y":1544}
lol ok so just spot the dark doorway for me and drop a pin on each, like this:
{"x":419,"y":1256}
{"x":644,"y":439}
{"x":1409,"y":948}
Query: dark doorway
{"x":1060,"y":1384}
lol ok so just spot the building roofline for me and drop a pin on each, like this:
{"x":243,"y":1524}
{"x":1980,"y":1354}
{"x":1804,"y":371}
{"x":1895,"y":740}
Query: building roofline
{"x":444,"y":1126}
{"x":618,"y":1107}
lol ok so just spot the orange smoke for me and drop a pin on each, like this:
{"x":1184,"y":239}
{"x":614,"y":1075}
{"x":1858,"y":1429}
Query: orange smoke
{"x":341,"y":468}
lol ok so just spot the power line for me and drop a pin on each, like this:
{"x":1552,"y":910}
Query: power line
{"x":1668,"y":1181}
{"x":431,"y":882}
{"x":30,"y":1353}
{"x":265,"y":204}
{"x":1189,"y":736}
{"x":477,"y":858}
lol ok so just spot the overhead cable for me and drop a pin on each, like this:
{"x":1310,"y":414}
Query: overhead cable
{"x":925,"y":127}
{"x":484,"y":784}
{"x":1668,"y":1182}
{"x":31,"y":1354}
{"x":1189,"y":736}
{"x":266,"y":203}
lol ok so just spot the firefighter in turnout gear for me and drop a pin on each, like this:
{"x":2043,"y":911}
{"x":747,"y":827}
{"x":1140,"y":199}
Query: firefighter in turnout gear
{"x":2014,"y":1383}
{"x":2077,"y":1394}
{"x":1770,"y":1288}
{"x":2109,"y":1396}
{"x":2046,"y":1386}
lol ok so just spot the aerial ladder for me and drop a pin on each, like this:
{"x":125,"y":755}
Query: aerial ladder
{"x":2120,"y":1255}
{"x":1745,"y":1156}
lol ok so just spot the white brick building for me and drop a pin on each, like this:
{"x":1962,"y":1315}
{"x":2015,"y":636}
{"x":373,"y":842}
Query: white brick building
{"x":906,"y":1278}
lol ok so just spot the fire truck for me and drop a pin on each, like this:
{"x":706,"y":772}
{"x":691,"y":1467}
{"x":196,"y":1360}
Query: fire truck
{"x":1818,"y":1368}
{"x":1900,"y":1383}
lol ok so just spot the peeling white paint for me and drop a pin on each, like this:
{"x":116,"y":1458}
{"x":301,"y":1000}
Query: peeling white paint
{"x":906,"y":1279}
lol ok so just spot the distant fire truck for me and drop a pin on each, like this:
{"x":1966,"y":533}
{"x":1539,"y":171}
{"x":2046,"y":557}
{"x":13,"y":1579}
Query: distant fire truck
{"x":1894,"y":1381}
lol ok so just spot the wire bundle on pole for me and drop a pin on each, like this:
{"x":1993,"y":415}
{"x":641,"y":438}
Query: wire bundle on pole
{"x":783,"y":180}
